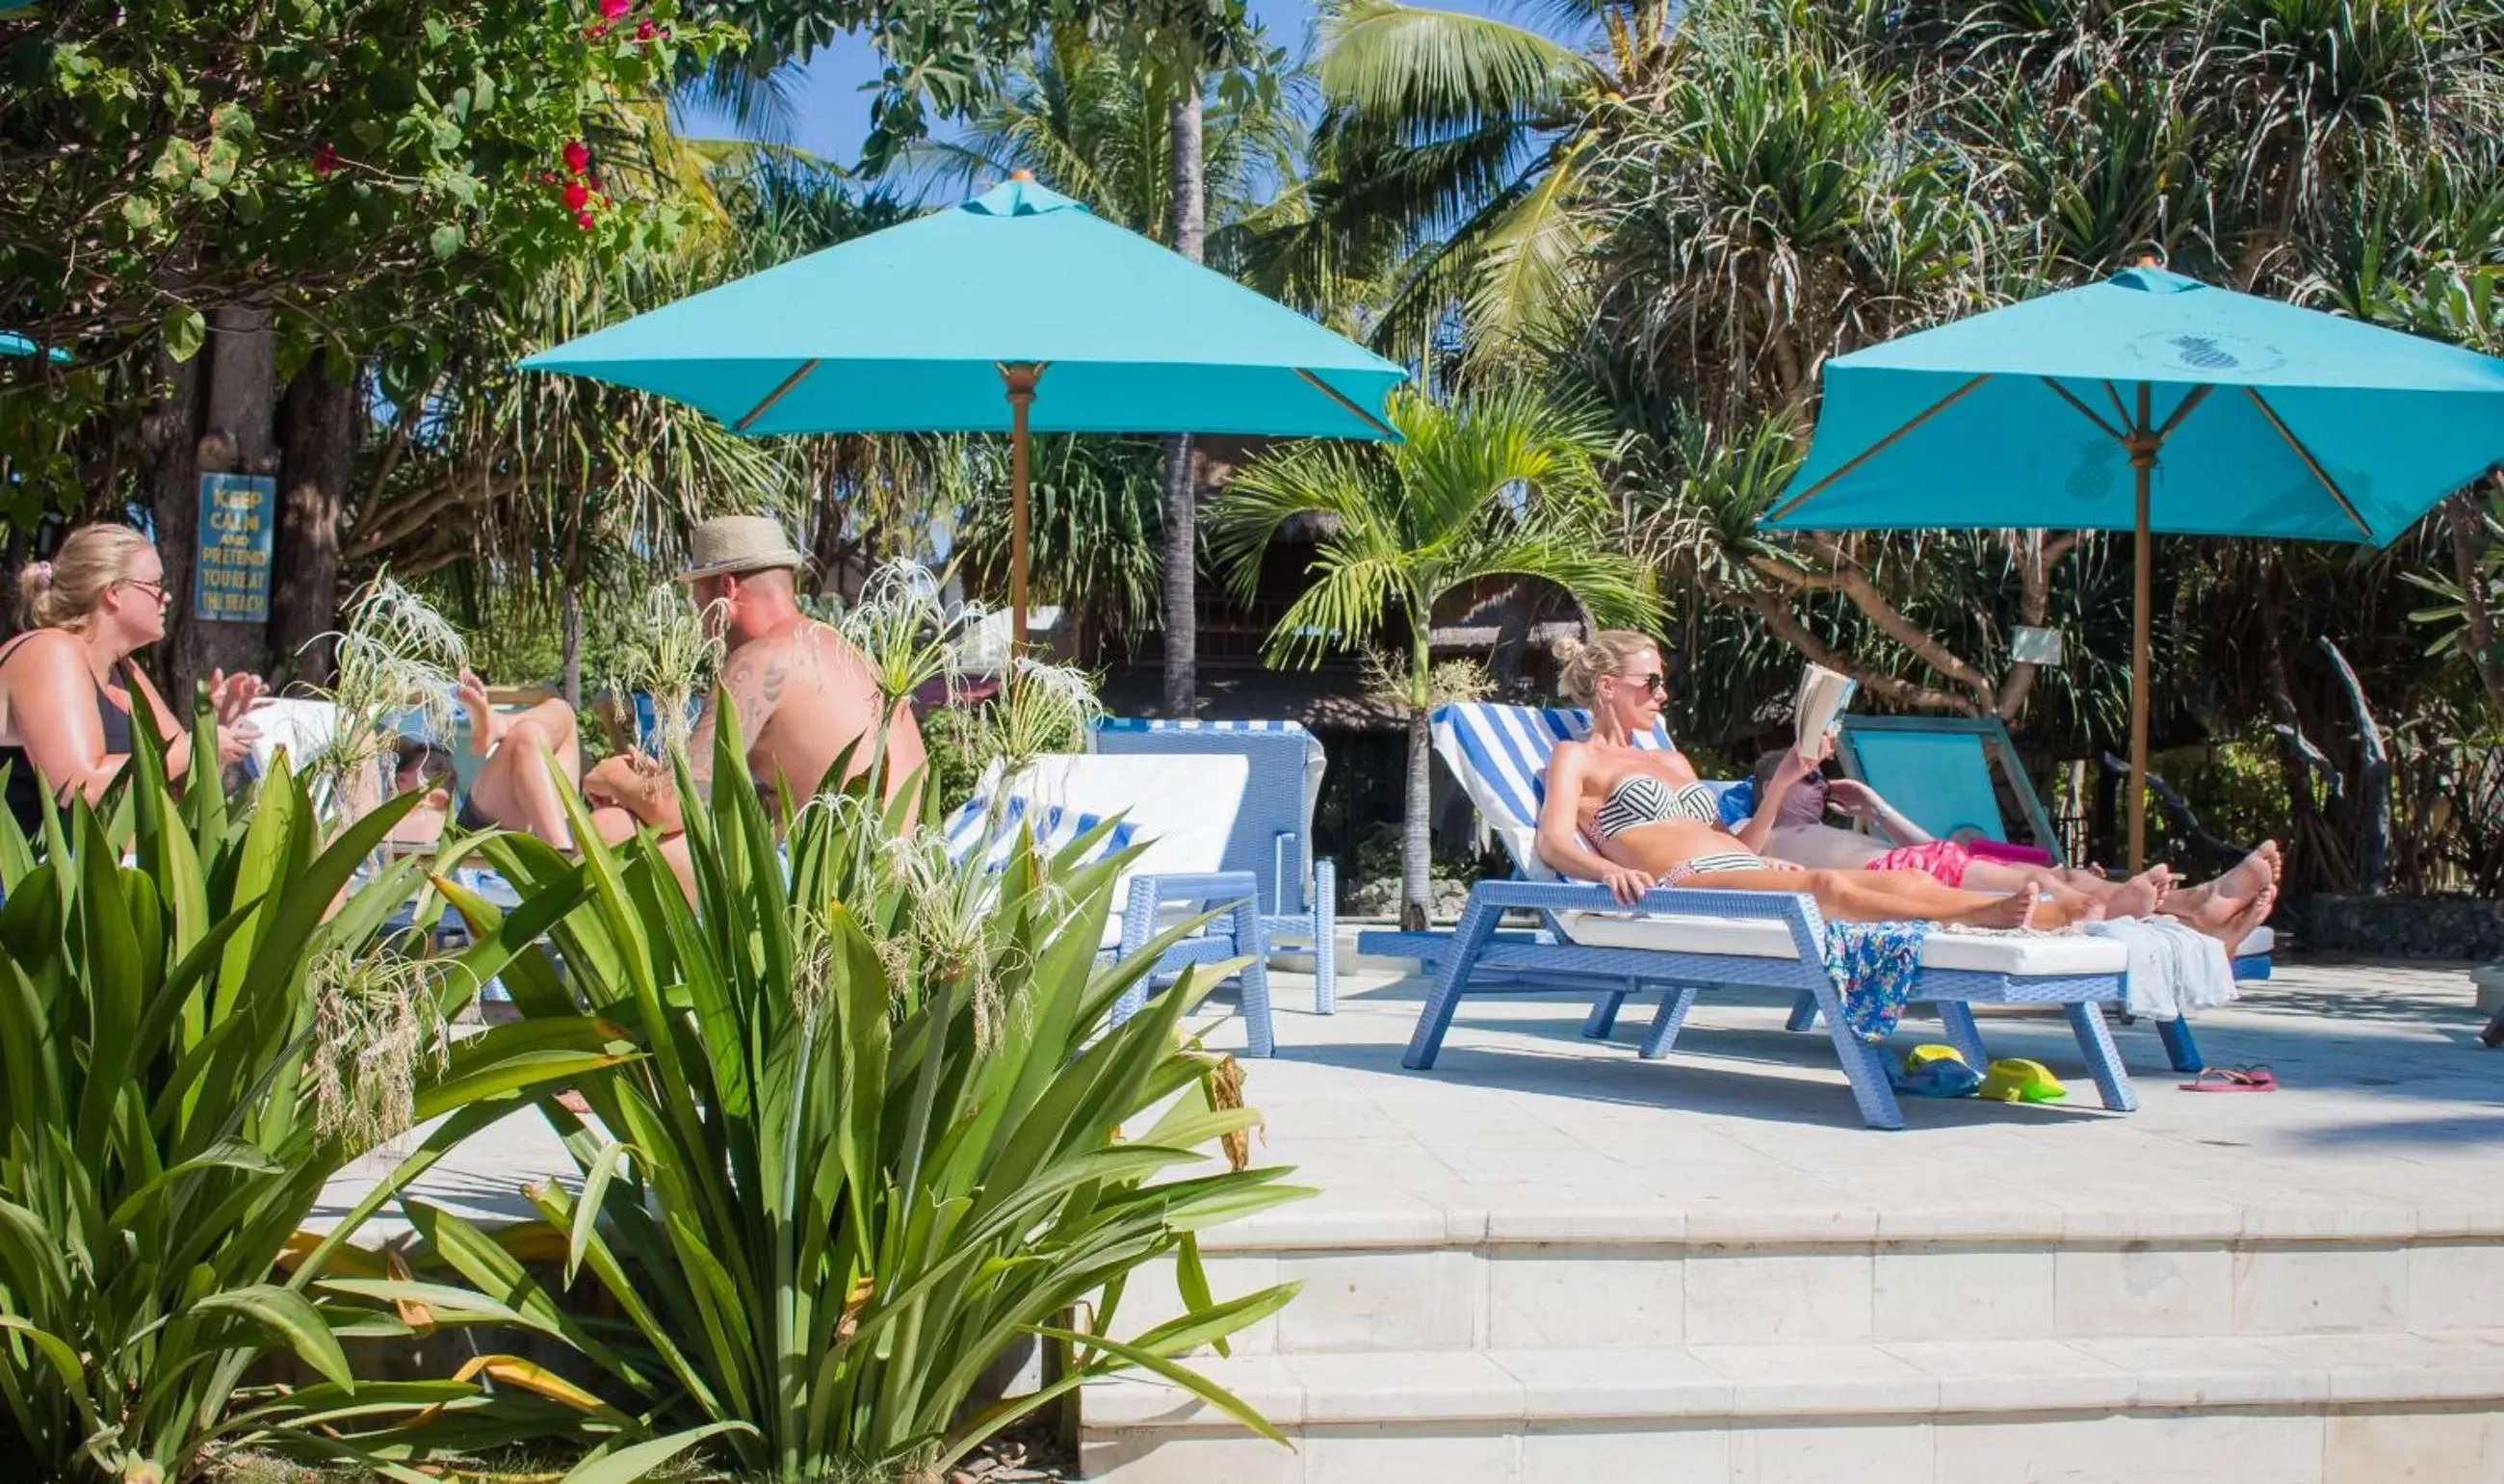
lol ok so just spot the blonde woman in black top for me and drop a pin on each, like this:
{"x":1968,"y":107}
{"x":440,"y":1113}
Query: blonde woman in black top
{"x":66,"y":682}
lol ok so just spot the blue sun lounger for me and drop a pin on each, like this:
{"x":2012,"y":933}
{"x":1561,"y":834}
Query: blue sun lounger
{"x":1273,"y":831}
{"x":1678,"y":942}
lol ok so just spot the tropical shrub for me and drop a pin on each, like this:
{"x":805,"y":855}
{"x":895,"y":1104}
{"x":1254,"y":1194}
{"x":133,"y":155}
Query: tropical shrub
{"x":885,"y":1130}
{"x":193,"y":1041}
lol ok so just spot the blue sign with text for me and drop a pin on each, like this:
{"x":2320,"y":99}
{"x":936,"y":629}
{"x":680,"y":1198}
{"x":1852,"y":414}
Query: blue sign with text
{"x":238,"y":515}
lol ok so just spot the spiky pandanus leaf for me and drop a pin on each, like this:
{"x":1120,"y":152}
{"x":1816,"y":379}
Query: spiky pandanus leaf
{"x":842,"y":1204}
{"x":165,"y":1133}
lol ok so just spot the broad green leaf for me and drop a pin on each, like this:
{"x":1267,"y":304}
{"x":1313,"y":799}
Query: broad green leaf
{"x":182,"y":330}
{"x":285,"y":1314}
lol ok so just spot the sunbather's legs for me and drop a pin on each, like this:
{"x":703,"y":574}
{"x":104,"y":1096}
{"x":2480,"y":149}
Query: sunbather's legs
{"x":517,"y":788}
{"x":1889,"y":896}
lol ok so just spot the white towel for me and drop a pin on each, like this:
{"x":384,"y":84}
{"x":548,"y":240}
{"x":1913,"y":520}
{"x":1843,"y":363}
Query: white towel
{"x":2174,"y":969}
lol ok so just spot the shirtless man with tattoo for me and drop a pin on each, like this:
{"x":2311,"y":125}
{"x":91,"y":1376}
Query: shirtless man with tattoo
{"x":802,"y":691}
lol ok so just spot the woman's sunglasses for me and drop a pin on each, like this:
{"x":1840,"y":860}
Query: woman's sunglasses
{"x":1655,"y":682}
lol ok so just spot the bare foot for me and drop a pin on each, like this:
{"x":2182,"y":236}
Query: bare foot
{"x":2240,"y":884}
{"x":2138,"y":896}
{"x":486,"y":723}
{"x":2236,"y":927}
{"x":2018,"y":909}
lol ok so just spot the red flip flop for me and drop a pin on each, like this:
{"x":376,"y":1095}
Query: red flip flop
{"x":2244,"y":1079}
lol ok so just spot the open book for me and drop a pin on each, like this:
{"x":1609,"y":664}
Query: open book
{"x":1819,"y":709}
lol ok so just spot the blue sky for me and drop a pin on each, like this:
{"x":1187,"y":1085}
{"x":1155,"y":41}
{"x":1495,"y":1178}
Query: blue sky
{"x":834,"y":108}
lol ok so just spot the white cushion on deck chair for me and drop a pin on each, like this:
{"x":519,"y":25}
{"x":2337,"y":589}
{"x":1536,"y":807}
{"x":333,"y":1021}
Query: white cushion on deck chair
{"x":1180,"y":808}
{"x":2261,"y":941}
{"x":1764,"y":938}
{"x":300,"y":727}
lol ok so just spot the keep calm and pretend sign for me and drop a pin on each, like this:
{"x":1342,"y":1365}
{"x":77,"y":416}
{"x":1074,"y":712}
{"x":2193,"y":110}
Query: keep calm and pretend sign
{"x":231,"y":581}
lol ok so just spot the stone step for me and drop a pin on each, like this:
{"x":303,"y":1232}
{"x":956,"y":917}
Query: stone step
{"x":1787,"y":1277}
{"x":2302,"y":1409}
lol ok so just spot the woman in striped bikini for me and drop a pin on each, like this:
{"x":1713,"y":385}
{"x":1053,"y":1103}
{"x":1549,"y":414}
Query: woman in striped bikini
{"x":1650,"y":820}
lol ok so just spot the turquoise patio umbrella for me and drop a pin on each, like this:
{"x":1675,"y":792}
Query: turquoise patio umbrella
{"x":16,"y":345}
{"x":2148,"y":403}
{"x":1018,"y":312}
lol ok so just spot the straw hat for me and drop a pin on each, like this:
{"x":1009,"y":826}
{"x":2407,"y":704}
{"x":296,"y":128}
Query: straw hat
{"x":739,"y":543}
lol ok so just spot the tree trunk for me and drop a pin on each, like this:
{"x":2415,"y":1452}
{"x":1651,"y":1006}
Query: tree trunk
{"x":1416,"y":847}
{"x":572,"y":629}
{"x":2372,"y":830}
{"x":317,"y":432}
{"x":1182,"y":490}
{"x":2303,"y":815}
{"x":169,"y":437}
{"x":240,"y":437}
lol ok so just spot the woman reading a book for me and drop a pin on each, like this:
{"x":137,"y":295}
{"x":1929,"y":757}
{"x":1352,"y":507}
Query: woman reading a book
{"x":1650,"y":820}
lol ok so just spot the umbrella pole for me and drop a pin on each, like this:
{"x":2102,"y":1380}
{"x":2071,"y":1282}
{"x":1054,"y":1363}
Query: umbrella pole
{"x":1020,"y":379}
{"x":2143,"y":443}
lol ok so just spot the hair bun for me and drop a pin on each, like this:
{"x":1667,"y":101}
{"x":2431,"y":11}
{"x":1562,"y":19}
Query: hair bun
{"x":43,"y":573}
{"x":1568,"y":649}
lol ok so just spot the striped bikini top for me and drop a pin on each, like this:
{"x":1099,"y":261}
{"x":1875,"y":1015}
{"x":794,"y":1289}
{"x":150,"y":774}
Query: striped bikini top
{"x":1643,"y":798}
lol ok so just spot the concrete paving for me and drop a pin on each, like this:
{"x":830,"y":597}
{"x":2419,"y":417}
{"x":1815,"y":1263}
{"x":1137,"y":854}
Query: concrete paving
{"x":2389,"y":1121}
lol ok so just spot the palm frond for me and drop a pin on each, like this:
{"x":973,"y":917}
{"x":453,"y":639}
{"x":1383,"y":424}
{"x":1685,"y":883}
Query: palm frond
{"x":1436,"y":69}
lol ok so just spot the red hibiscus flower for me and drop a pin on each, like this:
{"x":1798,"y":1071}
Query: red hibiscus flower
{"x":326,"y":158}
{"x":577,"y":157}
{"x":642,"y":30}
{"x":583,"y":219}
{"x":613,"y":8}
{"x":576,"y":195}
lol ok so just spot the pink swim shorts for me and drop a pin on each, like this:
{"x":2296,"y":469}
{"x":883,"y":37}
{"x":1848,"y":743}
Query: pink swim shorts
{"x":1943,"y":859}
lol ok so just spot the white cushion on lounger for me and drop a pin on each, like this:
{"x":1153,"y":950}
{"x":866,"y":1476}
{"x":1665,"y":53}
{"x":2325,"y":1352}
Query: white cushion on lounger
{"x":1762,"y":938}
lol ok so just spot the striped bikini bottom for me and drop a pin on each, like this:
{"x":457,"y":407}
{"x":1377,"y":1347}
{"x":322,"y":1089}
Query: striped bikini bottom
{"x":1722,"y":860}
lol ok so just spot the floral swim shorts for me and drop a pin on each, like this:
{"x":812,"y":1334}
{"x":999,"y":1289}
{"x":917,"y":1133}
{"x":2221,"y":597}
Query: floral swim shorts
{"x":1943,"y":859}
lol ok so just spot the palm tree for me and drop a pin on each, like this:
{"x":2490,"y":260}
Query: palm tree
{"x":1500,"y":485}
{"x":1461,"y":145}
{"x":1088,"y":119}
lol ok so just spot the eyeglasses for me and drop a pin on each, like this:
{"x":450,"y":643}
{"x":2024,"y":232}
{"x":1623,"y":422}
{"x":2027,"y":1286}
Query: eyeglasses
{"x":159,"y":588}
{"x":1655,"y":682}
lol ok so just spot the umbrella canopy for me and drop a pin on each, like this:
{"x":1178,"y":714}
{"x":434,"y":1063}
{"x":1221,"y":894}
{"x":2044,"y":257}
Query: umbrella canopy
{"x":2155,"y":403}
{"x":1018,"y":311}
{"x":15,"y":344}
{"x":904,"y":330}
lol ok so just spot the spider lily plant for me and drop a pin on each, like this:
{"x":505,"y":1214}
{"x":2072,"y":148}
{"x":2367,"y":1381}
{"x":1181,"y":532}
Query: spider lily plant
{"x":875,"y":1141}
{"x":188,"y":1054}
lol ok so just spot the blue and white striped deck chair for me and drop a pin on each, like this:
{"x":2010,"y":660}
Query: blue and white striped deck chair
{"x":1678,"y":942}
{"x":1939,"y":773}
{"x":1179,"y":810}
{"x":1273,"y":833}
{"x":1499,"y":755}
